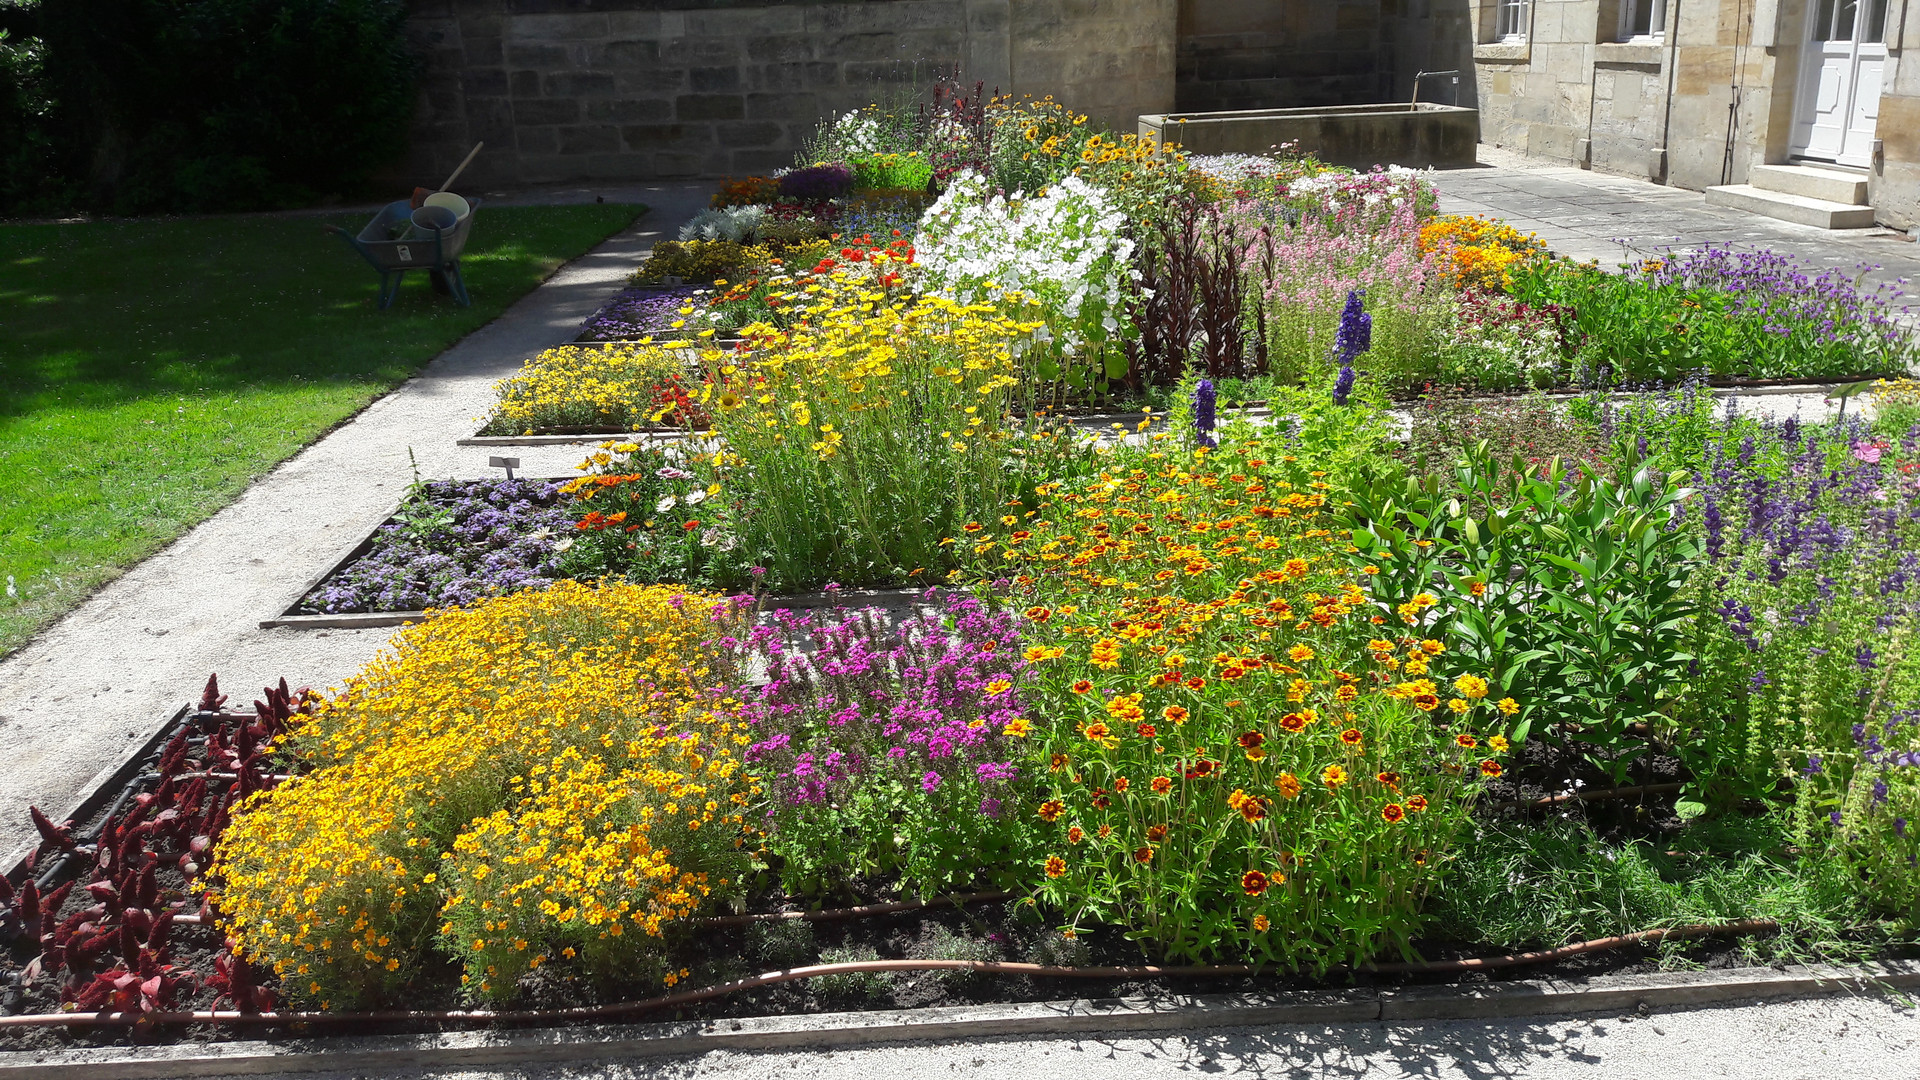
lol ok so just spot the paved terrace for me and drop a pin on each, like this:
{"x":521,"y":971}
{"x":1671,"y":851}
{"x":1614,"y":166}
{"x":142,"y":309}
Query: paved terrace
{"x":1614,"y":219}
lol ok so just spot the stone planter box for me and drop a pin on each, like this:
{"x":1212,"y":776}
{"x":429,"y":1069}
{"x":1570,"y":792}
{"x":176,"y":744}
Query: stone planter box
{"x":1360,"y":136}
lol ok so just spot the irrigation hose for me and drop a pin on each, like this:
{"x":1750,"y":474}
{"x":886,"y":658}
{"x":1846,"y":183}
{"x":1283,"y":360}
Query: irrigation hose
{"x":688,"y":997}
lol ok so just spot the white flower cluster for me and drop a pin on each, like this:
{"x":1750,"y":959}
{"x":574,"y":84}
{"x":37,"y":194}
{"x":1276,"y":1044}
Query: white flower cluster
{"x":1233,"y":168}
{"x":734,"y":223}
{"x":857,"y":132}
{"x":1065,"y":248}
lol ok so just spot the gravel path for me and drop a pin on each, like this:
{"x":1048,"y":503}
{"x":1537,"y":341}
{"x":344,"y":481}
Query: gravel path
{"x":1858,"y":1038}
{"x":75,"y":699}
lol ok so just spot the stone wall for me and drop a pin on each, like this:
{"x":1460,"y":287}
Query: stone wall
{"x":1263,"y":54}
{"x":657,"y":89}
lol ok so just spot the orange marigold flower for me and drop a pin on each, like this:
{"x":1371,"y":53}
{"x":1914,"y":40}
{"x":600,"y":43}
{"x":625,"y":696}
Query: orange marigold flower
{"x":1075,"y":835}
{"x":1176,"y":713}
{"x":1057,"y":762}
{"x":1333,"y":776}
{"x":1293,"y":723}
{"x":1196,"y":683}
{"x":1097,"y":731}
{"x":1498,"y":744}
{"x":1051,"y":810}
{"x":1253,"y":883}
{"x":1388,"y":779}
{"x":1300,"y":654}
{"x":1143,"y":853}
{"x":1251,"y":740}
{"x":1490,"y":768}
{"x":1393,"y":813}
{"x":1352,"y":738}
{"x":1507,"y":705}
{"x":1146,"y":731}
{"x":1056,"y":866}
{"x":1260,"y":924}
{"x":1459,"y":705}
{"x":1430,"y":646}
{"x":1478,"y":588}
{"x":972,"y":527}
{"x":1161,"y":785}
{"x":1426,"y":702}
{"x":1082,"y":686}
{"x":1156,"y":833}
{"x":1417,"y":803}
{"x":1289,"y":785}
{"x":1039,"y":614}
{"x":1122,"y":784}
{"x":1252,"y":809}
{"x":1345,"y":694}
{"x":1104,"y":831}
{"x":1466,"y":741}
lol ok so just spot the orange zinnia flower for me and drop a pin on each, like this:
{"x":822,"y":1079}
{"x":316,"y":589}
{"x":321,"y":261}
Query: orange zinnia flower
{"x":1051,"y":809}
{"x":1056,"y":866}
{"x":1162,"y":784}
{"x":1289,"y":785}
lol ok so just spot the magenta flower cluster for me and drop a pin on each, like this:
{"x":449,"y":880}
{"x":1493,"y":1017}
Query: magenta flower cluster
{"x":851,"y":699}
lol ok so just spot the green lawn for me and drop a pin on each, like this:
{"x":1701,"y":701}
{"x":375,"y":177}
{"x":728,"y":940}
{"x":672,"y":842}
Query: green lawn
{"x":149,"y":370}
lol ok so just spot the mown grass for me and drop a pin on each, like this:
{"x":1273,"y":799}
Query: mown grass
{"x":151,"y":369}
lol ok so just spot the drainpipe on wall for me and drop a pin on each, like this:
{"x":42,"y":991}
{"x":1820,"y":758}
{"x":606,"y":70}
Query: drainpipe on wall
{"x":1666,"y":124}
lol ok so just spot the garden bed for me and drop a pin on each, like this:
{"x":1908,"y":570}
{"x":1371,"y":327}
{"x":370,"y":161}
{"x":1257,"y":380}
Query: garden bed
{"x":969,"y":934}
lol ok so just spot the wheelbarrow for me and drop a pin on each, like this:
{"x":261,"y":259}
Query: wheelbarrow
{"x":401,"y":238}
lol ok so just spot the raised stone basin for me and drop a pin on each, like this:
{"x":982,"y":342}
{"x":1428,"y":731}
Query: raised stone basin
{"x":1362,"y":136}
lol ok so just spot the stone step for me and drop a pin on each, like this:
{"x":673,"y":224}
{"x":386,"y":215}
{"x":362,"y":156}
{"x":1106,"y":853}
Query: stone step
{"x":1811,"y":181}
{"x":1799,"y":209}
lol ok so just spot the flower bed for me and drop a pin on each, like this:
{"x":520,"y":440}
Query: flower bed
{"x":1294,"y":697}
{"x":637,"y":312}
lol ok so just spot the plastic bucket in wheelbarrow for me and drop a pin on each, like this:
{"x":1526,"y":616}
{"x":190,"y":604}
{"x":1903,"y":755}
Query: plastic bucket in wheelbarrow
{"x":430,"y":218}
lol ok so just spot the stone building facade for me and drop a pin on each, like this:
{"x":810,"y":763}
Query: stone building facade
{"x":1711,"y":94}
{"x":1697,"y":93}
{"x":655,"y":89}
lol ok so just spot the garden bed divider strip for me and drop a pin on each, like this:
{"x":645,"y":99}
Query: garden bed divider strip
{"x":771,"y":978}
{"x":1069,"y":1018}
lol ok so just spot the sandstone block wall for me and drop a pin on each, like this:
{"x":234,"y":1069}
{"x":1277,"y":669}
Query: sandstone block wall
{"x":659,"y":89}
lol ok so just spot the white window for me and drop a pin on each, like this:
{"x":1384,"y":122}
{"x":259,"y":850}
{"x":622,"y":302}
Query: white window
{"x":1510,"y":20}
{"x":1643,"y":20}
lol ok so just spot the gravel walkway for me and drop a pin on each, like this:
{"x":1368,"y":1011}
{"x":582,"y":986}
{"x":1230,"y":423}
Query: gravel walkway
{"x":1859,"y":1038}
{"x":73,"y":701}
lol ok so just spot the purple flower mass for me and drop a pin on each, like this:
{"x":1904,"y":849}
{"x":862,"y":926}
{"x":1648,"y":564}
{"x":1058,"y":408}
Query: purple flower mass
{"x":453,"y":542}
{"x":638,"y":312}
{"x":1203,"y":413}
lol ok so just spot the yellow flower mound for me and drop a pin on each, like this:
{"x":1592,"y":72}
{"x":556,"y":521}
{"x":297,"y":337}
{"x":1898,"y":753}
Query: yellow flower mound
{"x":1481,"y":251}
{"x":543,"y":777}
{"x":589,"y":388}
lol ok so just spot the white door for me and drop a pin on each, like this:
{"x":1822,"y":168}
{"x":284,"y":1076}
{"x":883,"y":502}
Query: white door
{"x":1840,"y":67}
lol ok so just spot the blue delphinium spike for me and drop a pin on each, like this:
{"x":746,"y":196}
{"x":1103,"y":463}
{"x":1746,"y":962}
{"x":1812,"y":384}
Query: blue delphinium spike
{"x":1203,"y":398}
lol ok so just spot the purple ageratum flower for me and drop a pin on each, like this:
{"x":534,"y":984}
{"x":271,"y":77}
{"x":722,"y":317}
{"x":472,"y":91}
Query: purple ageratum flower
{"x":638,"y":312}
{"x":817,"y":183}
{"x":1203,"y":414}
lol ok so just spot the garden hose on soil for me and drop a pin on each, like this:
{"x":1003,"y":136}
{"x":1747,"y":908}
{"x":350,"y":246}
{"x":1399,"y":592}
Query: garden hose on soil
{"x":606,"y":1012}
